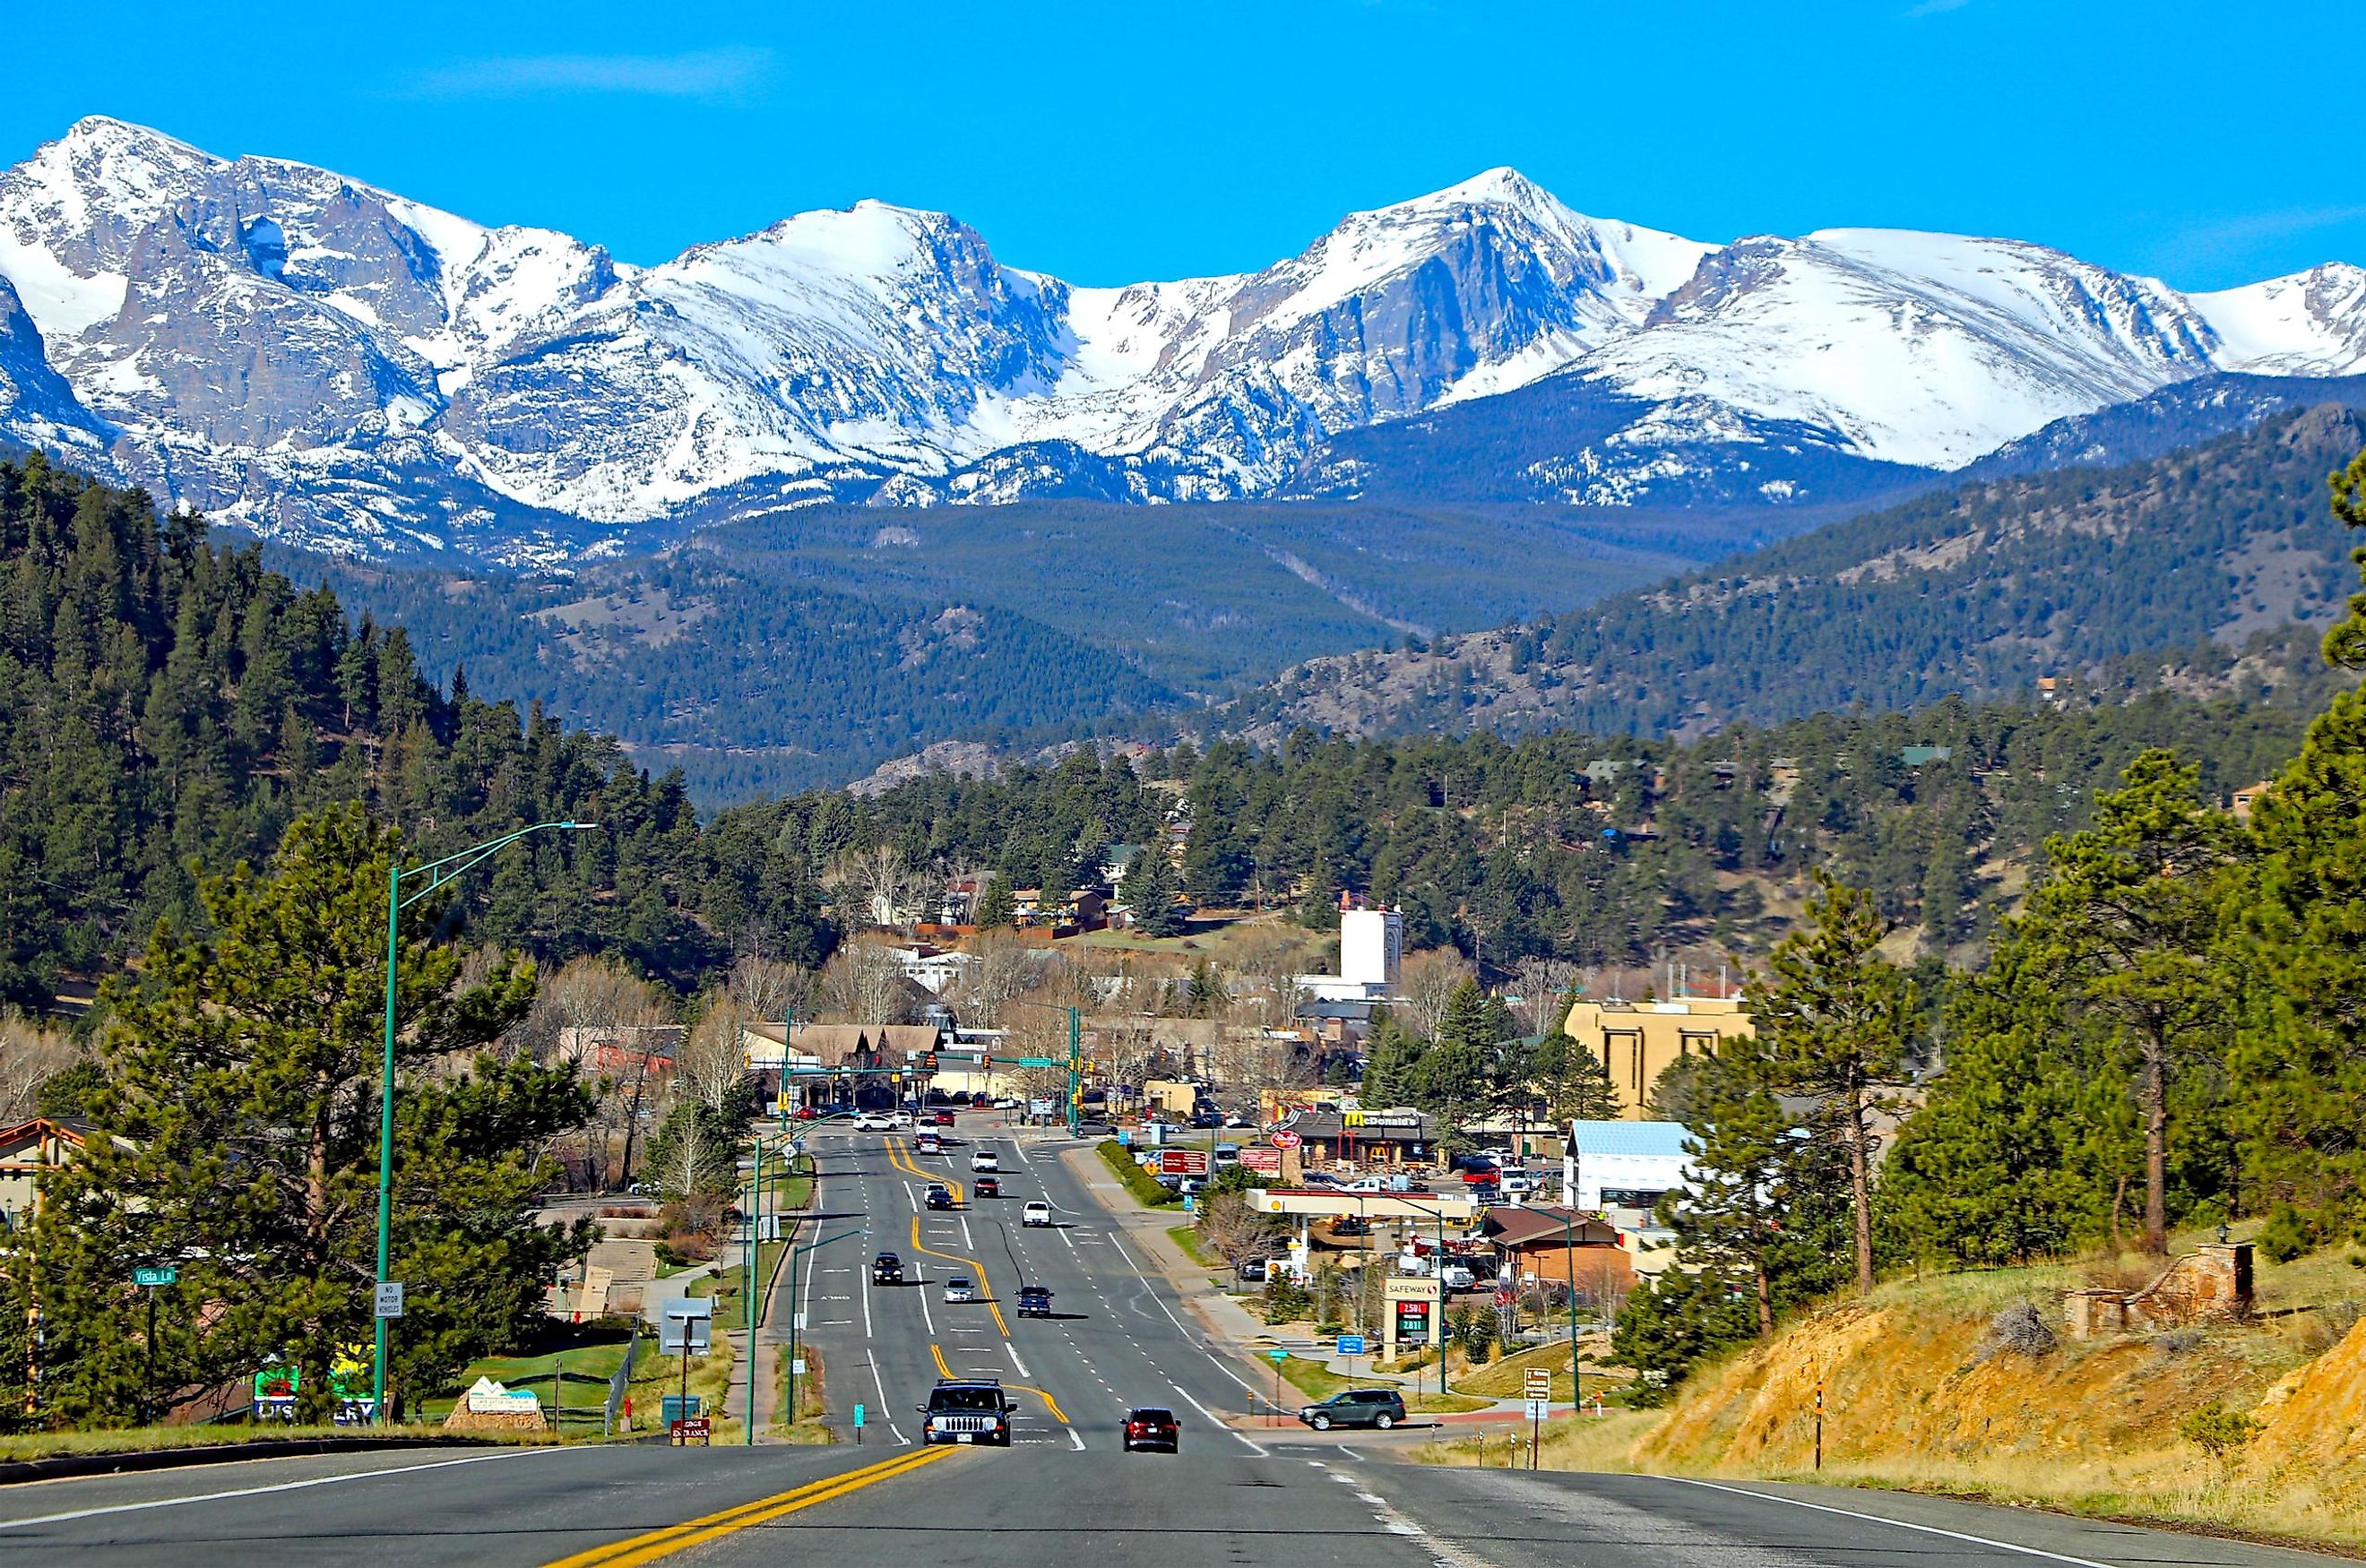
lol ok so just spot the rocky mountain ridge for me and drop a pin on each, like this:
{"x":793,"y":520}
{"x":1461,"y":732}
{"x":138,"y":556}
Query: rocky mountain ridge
{"x":337,"y":366}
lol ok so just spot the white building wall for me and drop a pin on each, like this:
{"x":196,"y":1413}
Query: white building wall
{"x":1371,"y":947}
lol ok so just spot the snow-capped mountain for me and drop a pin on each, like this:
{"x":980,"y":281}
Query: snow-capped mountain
{"x":334,"y":364}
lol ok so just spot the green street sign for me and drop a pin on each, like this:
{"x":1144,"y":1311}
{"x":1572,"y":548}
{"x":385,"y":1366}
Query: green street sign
{"x":154,"y":1276}
{"x":1278,"y":1355}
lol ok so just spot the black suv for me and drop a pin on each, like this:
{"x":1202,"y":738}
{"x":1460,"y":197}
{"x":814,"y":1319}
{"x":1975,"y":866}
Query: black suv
{"x":1034,"y":1301}
{"x":967,"y":1410}
{"x":886,"y":1270}
{"x":1379,"y":1407}
{"x":938,"y":1197}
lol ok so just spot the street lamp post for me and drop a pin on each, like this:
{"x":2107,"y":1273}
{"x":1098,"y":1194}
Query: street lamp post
{"x":438,"y":873}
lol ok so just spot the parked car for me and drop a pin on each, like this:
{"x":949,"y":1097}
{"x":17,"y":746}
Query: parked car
{"x":887,"y":1270}
{"x":1149,"y":1426}
{"x":984,"y":1160}
{"x":1377,"y":1408}
{"x":1518,"y":1186}
{"x":1034,"y":1301}
{"x":1457,"y":1277}
{"x":986,"y":1187}
{"x":1255,"y":1270}
{"x":1036,"y":1214}
{"x":1351,"y":1225}
{"x":1226,"y":1154}
{"x":960,"y":1288}
{"x":873,"y":1122}
{"x":1096,"y":1129}
{"x":939,"y":1196}
{"x":1367,"y":1185}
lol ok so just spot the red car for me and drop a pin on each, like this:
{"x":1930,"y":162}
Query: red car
{"x":945,"y":1118}
{"x":1147,"y":1427}
{"x":986,"y":1187}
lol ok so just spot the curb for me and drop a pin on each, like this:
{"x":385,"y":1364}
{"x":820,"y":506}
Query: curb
{"x":67,"y":1466}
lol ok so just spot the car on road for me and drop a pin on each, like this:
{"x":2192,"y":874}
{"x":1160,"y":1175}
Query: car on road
{"x":1150,"y":1426}
{"x":1096,"y":1129}
{"x":1321,"y":1179}
{"x":929,"y":1143}
{"x":960,"y":1288}
{"x":967,"y":1410}
{"x":874,"y":1122}
{"x":1377,"y":1408}
{"x":1457,"y":1277}
{"x":984,"y":1160}
{"x":938,"y":1196}
{"x":986,"y":1187}
{"x":1367,"y":1185}
{"x":886,"y":1270}
{"x":1036,"y":1214}
{"x":945,"y":1118}
{"x":1034,"y":1301}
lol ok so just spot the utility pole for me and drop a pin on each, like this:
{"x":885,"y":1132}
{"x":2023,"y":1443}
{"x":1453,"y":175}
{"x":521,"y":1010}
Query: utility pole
{"x":1076,"y":1070}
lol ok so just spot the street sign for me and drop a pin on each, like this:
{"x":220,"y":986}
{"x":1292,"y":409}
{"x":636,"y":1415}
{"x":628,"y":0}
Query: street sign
{"x":686,"y":1325}
{"x":1285,"y":1139}
{"x":697,"y":1429}
{"x":857,"y":1415}
{"x":798,"y":1366}
{"x":1264,"y":1161}
{"x":154,"y":1276}
{"x":1537,"y":1411}
{"x":1537,"y":1383}
{"x":1351,"y":1344}
{"x":389,"y":1298}
{"x":1183,"y":1162}
{"x":1278,"y":1355}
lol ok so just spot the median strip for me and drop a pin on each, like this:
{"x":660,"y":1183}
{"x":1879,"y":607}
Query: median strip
{"x":657,"y":1543}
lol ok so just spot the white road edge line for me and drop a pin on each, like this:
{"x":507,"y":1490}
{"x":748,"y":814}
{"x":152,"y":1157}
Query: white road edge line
{"x":1161,"y":1302}
{"x":877,"y":1384}
{"x":1217,"y":1421}
{"x":264,"y":1491}
{"x":1897,"y":1524}
{"x":966,"y":1242}
{"x":1077,"y":1439}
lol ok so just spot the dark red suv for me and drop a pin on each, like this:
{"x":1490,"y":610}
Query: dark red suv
{"x":1148,"y":1426}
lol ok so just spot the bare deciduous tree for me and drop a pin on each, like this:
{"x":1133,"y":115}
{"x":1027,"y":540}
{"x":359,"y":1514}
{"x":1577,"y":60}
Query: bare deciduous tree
{"x":886,"y":887}
{"x":30,"y":1055}
{"x":1234,"y":1230}
{"x":1430,"y":976}
{"x":769,"y":990}
{"x":863,"y":983}
{"x":1007,"y":967}
{"x":1541,"y":983}
{"x":710,"y":1061}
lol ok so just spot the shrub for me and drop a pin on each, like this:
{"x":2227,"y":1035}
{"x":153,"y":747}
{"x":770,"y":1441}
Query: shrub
{"x":2288,"y":1234}
{"x":1145,"y":1188}
{"x":2020,"y":1329}
{"x":2220,"y":1433}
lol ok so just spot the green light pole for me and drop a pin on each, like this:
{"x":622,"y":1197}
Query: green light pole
{"x":1568,"y":1254}
{"x":438,"y":873}
{"x":795,"y":1253}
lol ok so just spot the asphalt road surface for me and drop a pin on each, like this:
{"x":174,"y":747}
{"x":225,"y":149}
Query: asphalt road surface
{"x":1064,"y":1494}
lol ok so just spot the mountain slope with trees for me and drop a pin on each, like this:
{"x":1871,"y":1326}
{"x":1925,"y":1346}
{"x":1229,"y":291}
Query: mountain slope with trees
{"x":2089,"y":577}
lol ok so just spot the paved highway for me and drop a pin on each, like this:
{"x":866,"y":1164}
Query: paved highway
{"x":1064,"y":1494}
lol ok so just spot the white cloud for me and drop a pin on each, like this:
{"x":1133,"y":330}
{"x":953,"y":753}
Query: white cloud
{"x":699,"y":74}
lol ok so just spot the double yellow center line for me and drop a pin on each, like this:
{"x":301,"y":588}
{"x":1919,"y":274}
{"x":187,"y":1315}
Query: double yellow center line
{"x":902,"y":1161}
{"x":665,"y":1542}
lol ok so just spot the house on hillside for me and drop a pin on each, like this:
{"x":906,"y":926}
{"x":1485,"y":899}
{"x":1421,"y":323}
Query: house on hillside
{"x":623,"y":1049}
{"x":28,"y":1148}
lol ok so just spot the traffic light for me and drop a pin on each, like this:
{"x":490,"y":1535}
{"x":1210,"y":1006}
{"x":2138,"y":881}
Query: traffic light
{"x":928,"y":1062}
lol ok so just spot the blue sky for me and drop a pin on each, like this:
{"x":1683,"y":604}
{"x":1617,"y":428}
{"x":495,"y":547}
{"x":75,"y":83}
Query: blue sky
{"x":1107,"y":140}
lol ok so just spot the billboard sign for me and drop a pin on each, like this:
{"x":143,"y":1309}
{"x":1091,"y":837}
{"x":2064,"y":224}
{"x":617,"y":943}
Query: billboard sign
{"x":1183,"y":1162}
{"x":1285,"y":1138}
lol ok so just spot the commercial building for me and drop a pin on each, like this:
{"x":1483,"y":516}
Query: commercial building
{"x":1624,"y":1165}
{"x":1636,"y":1041}
{"x":1371,"y":955}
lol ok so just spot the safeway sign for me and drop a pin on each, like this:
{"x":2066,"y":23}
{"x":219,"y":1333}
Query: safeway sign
{"x":1183,"y":1162}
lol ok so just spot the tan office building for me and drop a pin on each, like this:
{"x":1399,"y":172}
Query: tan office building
{"x":1637,"y":1040}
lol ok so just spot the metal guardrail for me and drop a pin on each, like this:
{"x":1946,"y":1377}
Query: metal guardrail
{"x":621,"y":1381}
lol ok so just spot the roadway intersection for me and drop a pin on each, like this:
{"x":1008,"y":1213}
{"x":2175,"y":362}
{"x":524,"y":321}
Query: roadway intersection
{"x":1239,"y":1492}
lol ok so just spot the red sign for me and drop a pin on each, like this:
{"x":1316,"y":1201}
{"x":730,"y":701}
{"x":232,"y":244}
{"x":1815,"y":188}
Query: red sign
{"x":696,"y":1430}
{"x":1286,"y":1140}
{"x":1266,"y":1160}
{"x":1183,"y":1162}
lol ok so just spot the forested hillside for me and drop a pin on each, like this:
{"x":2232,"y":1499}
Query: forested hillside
{"x":804,"y":647}
{"x":2087,"y":577}
{"x":165,"y":703}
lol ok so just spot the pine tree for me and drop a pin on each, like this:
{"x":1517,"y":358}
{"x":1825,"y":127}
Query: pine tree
{"x":1576,"y":1085}
{"x":235,"y":1136}
{"x":1836,"y":1017}
{"x":1393,"y":1063}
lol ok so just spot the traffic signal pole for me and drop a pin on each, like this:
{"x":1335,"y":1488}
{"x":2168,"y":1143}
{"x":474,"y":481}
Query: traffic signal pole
{"x":1076,"y":1070}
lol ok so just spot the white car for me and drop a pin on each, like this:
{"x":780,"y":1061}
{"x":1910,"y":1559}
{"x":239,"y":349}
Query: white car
{"x":1036,"y":1214}
{"x":961,"y":1288}
{"x":874,"y":1122}
{"x":985,"y":1160}
{"x":1368,"y":1184}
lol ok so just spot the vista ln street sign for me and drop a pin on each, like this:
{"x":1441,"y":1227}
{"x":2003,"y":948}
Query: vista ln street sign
{"x":389,"y":1298}
{"x":153,"y":1277}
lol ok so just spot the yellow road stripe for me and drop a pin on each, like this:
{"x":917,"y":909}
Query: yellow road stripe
{"x":655,"y":1544}
{"x":1049,"y":1402}
{"x":974,"y":1266}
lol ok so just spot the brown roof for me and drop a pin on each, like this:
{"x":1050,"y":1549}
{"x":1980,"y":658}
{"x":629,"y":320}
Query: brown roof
{"x":1544,"y":1225}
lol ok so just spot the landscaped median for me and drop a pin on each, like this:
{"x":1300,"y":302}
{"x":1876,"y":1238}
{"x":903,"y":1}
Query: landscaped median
{"x":1145,"y":1188}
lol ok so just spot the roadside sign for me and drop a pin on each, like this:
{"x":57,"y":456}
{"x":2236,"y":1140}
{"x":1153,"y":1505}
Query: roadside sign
{"x":1264,"y":1161}
{"x":697,"y":1429}
{"x":798,"y":1366}
{"x":1538,"y":1383}
{"x":1285,"y":1138}
{"x":1351,"y":1344}
{"x":1278,"y":1355}
{"x":1537,"y":1411}
{"x":389,"y":1298}
{"x":686,"y":1325}
{"x":857,"y":1415}
{"x":153,"y":1277}
{"x":1183,"y":1162}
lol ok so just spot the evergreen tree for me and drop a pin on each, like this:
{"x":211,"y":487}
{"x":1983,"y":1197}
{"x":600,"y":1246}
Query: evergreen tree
{"x":1393,"y":1063}
{"x":1836,"y":1017}
{"x":1574,"y":1084}
{"x":995,"y":909}
{"x":235,"y":1135}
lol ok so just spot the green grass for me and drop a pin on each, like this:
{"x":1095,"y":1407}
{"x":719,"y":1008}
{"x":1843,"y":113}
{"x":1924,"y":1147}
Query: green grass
{"x":1145,"y":1187}
{"x":1316,"y":1380}
{"x":588,"y":1357}
{"x":1186,"y":1236}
